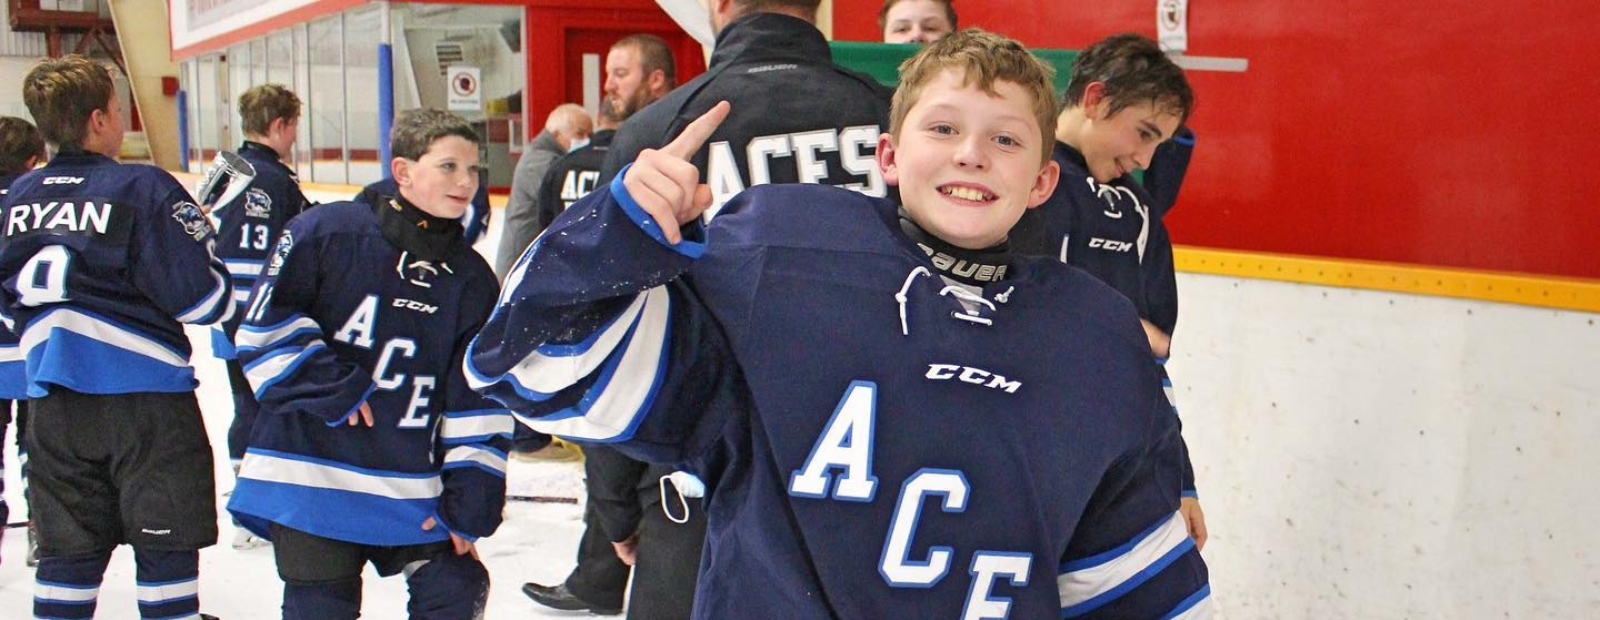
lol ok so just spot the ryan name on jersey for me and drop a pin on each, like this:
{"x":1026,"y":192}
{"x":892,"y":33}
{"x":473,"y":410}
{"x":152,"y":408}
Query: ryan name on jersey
{"x":58,"y":216}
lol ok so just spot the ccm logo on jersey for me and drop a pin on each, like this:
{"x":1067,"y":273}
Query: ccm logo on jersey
{"x":1107,"y":244}
{"x":415,"y":305}
{"x":975,"y":376}
{"x":63,"y":181}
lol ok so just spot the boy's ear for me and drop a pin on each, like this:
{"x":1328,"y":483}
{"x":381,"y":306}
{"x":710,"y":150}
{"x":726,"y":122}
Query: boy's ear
{"x":1095,"y":101}
{"x":1045,"y":184}
{"x":886,"y":160}
{"x":400,"y":169}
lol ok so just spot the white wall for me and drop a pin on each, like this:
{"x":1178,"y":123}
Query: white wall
{"x":1375,"y":455}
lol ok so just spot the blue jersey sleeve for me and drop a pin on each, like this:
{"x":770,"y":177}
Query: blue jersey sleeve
{"x":283,"y":350}
{"x":474,"y":436}
{"x":1131,"y":555}
{"x":597,"y":338}
{"x":168,"y":249}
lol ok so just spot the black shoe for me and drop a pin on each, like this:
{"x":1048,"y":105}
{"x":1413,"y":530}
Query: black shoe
{"x":559,"y":597}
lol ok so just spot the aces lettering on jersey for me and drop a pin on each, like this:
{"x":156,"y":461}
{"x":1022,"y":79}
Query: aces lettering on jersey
{"x":804,"y":152}
{"x":841,"y":459}
{"x":358,"y":330}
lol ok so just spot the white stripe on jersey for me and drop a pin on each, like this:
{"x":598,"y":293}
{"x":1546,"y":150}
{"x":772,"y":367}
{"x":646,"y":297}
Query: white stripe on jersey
{"x":160,"y":592}
{"x":288,"y":470}
{"x":1088,"y":582}
{"x":10,"y":353}
{"x":202,"y":311}
{"x":550,"y":369}
{"x":251,"y":337}
{"x":266,"y":371}
{"x":250,"y":268}
{"x":480,"y":424}
{"x":241,"y":295}
{"x":621,"y":401}
{"x":465,"y":455}
{"x":64,"y":593}
{"x":64,"y":317}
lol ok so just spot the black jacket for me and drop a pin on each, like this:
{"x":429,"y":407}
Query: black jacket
{"x":571,"y":177}
{"x":811,"y":120}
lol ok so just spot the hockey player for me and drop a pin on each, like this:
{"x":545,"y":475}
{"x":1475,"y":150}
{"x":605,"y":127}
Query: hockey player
{"x":370,"y":447}
{"x":21,"y":148}
{"x":982,"y":434}
{"x":102,"y":262}
{"x":247,"y":228}
{"x":1124,"y":99}
{"x":819,"y":122}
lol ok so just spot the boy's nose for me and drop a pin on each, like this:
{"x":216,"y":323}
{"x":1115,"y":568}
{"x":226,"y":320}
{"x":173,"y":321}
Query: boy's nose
{"x":970,"y":153}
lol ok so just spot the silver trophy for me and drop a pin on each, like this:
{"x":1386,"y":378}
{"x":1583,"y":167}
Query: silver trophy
{"x":227,"y":177}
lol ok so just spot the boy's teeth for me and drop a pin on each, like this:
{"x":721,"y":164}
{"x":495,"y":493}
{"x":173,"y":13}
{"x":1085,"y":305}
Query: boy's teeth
{"x":965,"y":193}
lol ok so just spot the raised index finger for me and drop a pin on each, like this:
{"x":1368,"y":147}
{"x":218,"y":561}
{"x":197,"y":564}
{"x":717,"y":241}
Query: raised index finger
{"x":694,"y":136}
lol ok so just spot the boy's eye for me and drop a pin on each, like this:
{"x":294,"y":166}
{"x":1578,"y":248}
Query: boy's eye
{"x":448,"y":166}
{"x":1007,"y":141}
{"x":943,"y":129}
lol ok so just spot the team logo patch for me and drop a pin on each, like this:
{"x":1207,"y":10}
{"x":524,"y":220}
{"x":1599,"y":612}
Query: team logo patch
{"x":280,"y":253}
{"x":257,"y":204}
{"x":192,"y":218}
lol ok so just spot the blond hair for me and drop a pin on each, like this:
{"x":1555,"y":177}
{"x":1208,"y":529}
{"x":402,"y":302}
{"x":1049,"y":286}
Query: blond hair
{"x":261,"y":105}
{"x":983,"y":58}
{"x":63,"y":93}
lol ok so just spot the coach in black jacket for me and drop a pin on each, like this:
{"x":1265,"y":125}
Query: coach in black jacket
{"x":797,"y":117}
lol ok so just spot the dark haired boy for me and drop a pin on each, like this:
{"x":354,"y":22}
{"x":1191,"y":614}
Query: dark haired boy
{"x":102,"y":263}
{"x":370,"y":447}
{"x":1124,"y":100}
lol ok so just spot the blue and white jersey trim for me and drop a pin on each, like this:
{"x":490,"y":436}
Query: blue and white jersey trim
{"x":13,"y":373}
{"x":70,"y":347}
{"x":72,"y":320}
{"x":1089,"y":583}
{"x":1196,"y":607}
{"x":618,"y":401}
{"x":293,"y":469}
{"x":216,"y":306}
{"x":253,"y":337}
{"x":486,"y":459}
{"x":552,"y":368}
{"x":267,"y":371}
{"x":464,"y":427}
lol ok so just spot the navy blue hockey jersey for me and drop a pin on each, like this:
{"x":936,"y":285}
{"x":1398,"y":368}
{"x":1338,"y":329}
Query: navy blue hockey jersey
{"x":249,"y":226}
{"x":473,"y":223}
{"x":101,"y":262}
{"x":873,"y":447}
{"x":13,"y":372}
{"x":341,"y":316}
{"x":1114,"y":232}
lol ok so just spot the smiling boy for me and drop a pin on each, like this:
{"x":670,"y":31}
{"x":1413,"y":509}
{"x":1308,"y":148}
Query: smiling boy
{"x":369,"y":446}
{"x":894,"y":415}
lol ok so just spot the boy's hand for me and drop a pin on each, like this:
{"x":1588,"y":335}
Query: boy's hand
{"x":666,"y":185}
{"x":363,"y":415}
{"x":462,"y":545}
{"x":1196,"y":518}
